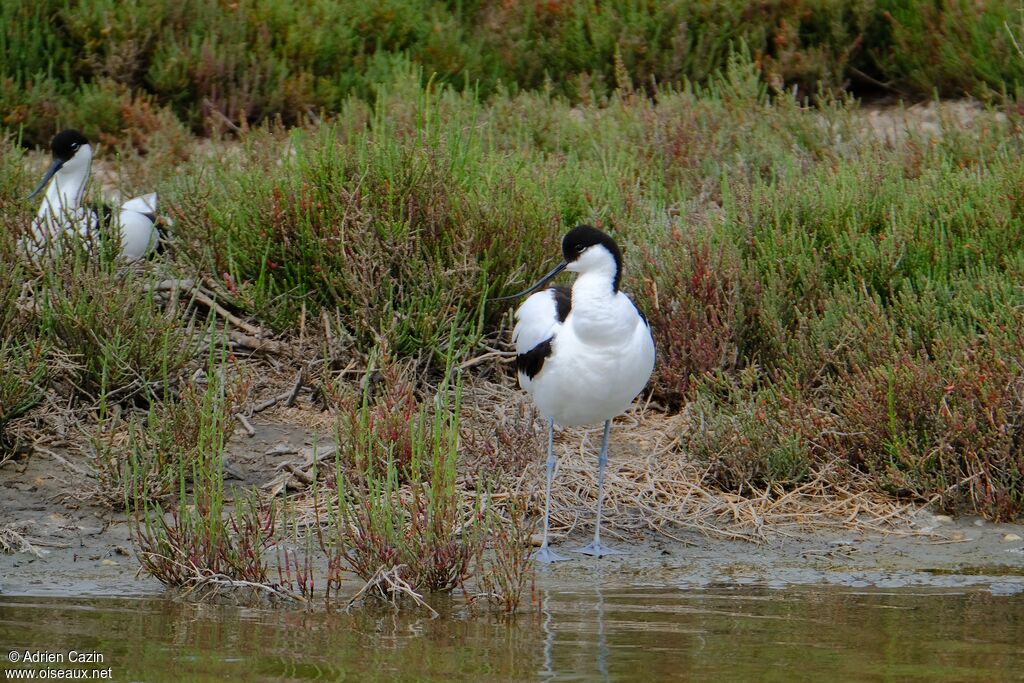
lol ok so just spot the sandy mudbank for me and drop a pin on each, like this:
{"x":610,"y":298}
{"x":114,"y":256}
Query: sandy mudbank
{"x":82,"y":549}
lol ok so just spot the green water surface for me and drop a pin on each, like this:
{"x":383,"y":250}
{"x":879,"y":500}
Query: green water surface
{"x":621,"y":634}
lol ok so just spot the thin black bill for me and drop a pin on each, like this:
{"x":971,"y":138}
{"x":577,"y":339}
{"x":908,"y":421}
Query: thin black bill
{"x":54,"y":167}
{"x":540,"y":283}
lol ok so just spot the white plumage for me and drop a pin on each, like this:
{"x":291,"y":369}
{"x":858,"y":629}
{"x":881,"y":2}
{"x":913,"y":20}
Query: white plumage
{"x":536,"y":322}
{"x":62,"y":211}
{"x":601,"y":356}
{"x":582,"y":354}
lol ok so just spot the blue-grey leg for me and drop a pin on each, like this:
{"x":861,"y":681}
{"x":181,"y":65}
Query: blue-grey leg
{"x":544,"y":553}
{"x":597,"y":548}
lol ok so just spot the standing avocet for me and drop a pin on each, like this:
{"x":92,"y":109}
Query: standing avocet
{"x":62,"y":210}
{"x":583,"y":353}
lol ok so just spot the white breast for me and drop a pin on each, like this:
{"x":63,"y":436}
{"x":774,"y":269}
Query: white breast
{"x":601,"y":358}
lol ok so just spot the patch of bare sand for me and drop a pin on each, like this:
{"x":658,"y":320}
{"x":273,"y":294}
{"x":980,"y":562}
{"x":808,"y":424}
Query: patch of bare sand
{"x":894,"y":122}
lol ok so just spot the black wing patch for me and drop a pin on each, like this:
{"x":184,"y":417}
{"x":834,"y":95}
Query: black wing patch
{"x":161,"y":234}
{"x":563,"y":301}
{"x":531,"y":362}
{"x":103,"y":212}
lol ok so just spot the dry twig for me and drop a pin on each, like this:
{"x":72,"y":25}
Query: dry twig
{"x":13,"y":542}
{"x":388,"y":584}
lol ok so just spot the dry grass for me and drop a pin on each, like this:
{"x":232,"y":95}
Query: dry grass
{"x":13,"y":542}
{"x":653,"y":485}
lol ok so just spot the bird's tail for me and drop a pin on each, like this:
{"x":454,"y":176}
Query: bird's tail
{"x":147,"y":205}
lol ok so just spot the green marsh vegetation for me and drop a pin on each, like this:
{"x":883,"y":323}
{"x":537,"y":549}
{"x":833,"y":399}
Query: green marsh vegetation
{"x":224,"y":65}
{"x":824,"y":299}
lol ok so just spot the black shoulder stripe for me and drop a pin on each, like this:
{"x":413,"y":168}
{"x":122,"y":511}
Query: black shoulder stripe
{"x":563,"y":301}
{"x":647,"y":325}
{"x":640,"y":313}
{"x":531,"y":362}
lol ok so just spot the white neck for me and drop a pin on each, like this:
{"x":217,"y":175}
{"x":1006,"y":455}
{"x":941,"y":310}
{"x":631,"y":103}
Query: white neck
{"x":66,"y":190}
{"x":593,"y":287}
{"x":62,"y":206}
{"x":599,"y":315}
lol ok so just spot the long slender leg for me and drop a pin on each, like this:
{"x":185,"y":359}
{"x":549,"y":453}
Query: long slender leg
{"x":544,"y":553}
{"x":597,"y":548}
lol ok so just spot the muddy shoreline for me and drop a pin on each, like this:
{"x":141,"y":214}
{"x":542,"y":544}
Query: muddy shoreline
{"x":85,"y":550}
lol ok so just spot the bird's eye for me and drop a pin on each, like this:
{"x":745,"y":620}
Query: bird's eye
{"x":580,"y":248}
{"x":74,"y":146}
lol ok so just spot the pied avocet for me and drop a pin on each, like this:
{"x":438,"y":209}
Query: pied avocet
{"x":62,"y":209}
{"x":583,"y":353}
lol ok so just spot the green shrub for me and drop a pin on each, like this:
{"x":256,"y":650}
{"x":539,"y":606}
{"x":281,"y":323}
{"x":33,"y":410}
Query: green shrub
{"x":949,"y":47}
{"x":949,"y":429}
{"x":114,"y":337}
{"x":223,"y":66}
{"x":22,"y":382}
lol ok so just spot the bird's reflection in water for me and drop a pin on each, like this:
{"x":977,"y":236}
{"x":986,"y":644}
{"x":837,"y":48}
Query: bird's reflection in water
{"x":548,"y":626}
{"x":602,"y":641}
{"x":548,"y":672}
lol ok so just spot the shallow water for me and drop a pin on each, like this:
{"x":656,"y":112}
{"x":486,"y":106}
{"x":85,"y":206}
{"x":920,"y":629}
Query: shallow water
{"x":622,"y":634}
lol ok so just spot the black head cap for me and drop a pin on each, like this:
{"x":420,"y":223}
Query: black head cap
{"x":580,"y":238}
{"x":66,"y":143}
